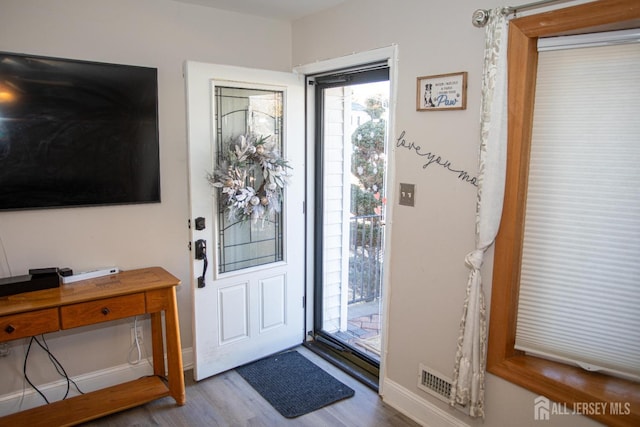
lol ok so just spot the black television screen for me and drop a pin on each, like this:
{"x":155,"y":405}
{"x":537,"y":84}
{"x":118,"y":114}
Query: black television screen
{"x":77,"y":133}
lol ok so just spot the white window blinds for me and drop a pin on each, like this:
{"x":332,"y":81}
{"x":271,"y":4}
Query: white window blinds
{"x":580,"y":275}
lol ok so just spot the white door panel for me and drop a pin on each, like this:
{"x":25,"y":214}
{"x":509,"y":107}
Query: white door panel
{"x":249,"y":313}
{"x":273,"y":297}
{"x":233,"y":311}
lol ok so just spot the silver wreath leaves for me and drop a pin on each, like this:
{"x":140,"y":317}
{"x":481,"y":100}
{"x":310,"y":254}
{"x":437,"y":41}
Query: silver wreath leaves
{"x":251,"y":161}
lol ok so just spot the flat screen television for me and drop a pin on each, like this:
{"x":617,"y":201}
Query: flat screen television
{"x":77,"y":133}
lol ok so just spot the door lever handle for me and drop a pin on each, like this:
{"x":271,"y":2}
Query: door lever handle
{"x":204,"y":271}
{"x":201,"y":253}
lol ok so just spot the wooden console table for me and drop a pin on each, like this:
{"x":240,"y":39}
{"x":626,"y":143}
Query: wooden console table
{"x":126,"y":294}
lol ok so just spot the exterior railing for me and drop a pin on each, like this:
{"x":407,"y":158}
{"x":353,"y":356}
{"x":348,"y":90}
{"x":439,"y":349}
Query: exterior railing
{"x":365,"y":257}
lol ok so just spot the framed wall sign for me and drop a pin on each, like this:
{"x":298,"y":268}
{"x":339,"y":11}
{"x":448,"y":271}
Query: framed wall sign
{"x":442,"y":92}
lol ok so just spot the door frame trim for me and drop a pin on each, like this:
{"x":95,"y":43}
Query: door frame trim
{"x":389,"y":54}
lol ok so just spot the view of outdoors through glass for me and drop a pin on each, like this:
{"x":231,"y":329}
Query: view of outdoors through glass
{"x":356,"y":118}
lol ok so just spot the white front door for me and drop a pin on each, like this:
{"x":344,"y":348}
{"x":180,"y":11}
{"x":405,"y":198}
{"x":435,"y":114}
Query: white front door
{"x":249,"y":301}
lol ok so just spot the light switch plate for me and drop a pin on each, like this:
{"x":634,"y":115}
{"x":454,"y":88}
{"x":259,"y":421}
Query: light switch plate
{"x":407,"y":194}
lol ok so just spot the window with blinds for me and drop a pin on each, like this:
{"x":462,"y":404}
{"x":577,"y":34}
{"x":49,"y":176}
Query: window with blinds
{"x":580,"y":275}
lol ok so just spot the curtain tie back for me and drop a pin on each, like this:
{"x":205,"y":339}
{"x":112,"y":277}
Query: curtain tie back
{"x":474,"y":259}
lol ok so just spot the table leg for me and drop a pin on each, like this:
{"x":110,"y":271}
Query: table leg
{"x":174,"y":349}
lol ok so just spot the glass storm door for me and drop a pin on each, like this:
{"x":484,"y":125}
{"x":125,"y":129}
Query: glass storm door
{"x":249,"y":304}
{"x":350,"y":207}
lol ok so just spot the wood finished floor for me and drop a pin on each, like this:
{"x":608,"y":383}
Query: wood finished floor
{"x":227,"y":400}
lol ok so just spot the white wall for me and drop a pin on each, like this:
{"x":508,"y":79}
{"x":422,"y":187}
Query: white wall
{"x":155,"y":33}
{"x":430,"y":240}
{"x":337,"y":212}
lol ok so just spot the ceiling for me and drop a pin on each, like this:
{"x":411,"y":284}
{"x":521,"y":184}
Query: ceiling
{"x":287,"y":10}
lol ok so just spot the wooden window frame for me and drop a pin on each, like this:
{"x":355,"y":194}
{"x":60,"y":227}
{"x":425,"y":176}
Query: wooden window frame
{"x":557,"y":381}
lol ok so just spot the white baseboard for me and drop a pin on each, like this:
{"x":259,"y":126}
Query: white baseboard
{"x":29,"y":398}
{"x":187,"y":358}
{"x":413,"y":406}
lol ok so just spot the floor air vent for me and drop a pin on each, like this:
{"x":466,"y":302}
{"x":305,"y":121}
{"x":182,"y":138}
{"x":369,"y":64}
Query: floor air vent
{"x":436,"y":384}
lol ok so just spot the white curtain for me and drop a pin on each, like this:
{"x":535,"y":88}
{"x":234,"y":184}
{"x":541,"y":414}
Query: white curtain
{"x":468,"y":379}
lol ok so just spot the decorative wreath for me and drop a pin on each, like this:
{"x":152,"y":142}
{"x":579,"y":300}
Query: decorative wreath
{"x":252,"y":161}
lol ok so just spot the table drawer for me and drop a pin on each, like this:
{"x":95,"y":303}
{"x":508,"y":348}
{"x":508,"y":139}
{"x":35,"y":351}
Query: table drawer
{"x":22,"y":325}
{"x":103,"y":310}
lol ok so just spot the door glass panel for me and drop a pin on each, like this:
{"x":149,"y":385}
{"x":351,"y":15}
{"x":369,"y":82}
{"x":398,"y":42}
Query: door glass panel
{"x":355,"y":118}
{"x":244,"y":243}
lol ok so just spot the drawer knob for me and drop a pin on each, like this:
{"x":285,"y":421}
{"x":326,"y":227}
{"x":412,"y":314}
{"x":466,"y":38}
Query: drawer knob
{"x":9,"y":329}
{"x":105,"y":311}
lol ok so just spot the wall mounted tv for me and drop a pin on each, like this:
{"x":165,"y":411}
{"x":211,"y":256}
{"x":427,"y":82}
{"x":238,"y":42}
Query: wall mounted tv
{"x":77,"y":133}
